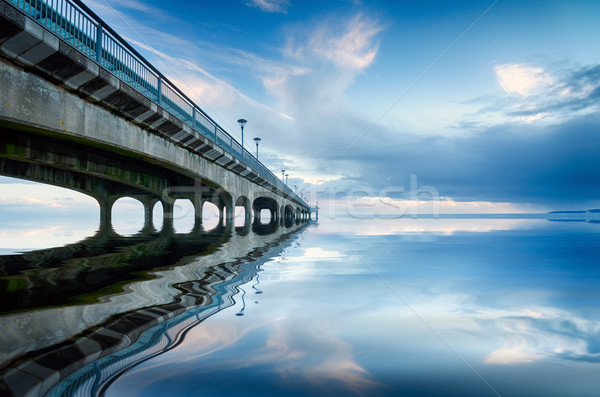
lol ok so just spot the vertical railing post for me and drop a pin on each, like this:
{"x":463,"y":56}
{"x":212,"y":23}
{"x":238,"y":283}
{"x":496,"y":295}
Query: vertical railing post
{"x":216,"y":136}
{"x":159,"y":89}
{"x":194,"y":117}
{"x":99,"y":43}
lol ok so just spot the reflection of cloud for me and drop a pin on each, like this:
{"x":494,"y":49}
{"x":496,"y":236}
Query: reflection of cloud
{"x":311,"y":355}
{"x":541,"y":334}
{"x":511,"y":336}
{"x":25,"y":239}
{"x":320,"y":253}
{"x":445,"y":226}
{"x":509,"y":356}
{"x":310,"y":264}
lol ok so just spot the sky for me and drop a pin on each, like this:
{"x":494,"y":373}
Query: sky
{"x":488,"y":105}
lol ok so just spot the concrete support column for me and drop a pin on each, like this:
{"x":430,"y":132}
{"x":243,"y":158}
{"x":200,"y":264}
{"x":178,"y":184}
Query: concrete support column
{"x":247,"y":215}
{"x":198,"y":202}
{"x":168,"y":206}
{"x":148,"y":203}
{"x":230,"y":214}
{"x":106,"y":204}
{"x":256,"y":214}
{"x":221,"y":208}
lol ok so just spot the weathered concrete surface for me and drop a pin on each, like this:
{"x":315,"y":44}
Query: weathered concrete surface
{"x":32,"y":104}
{"x":50,"y":89}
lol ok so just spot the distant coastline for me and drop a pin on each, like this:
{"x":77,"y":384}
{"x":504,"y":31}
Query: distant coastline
{"x":594,"y":211}
{"x":592,"y":216}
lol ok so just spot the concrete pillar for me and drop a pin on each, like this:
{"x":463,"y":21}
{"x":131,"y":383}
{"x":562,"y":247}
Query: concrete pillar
{"x":106,"y":204}
{"x":198,"y":202}
{"x":168,"y":214}
{"x":247,"y":214}
{"x":221,"y":207}
{"x":230,"y":214}
{"x":148,"y":203}
{"x":256,"y":214}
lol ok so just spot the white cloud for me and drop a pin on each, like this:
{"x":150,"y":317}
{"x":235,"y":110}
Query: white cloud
{"x":271,"y":6}
{"x":203,"y":86}
{"x":517,"y":79}
{"x":24,"y":193}
{"x":350,"y":46}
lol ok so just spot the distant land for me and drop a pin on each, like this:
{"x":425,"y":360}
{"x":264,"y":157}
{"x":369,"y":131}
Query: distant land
{"x":595,"y":211}
{"x":592,"y":216}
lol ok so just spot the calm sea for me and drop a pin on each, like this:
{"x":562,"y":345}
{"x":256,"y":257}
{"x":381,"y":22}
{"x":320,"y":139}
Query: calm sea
{"x":379,"y":307}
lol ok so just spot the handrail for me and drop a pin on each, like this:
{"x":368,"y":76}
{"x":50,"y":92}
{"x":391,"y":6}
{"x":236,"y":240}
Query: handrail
{"x":77,"y":25}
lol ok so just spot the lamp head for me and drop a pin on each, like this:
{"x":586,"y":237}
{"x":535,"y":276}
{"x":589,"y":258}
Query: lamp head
{"x":242,"y":123}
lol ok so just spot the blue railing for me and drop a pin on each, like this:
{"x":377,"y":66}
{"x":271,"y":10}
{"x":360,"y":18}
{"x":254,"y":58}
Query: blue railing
{"x":73,"y":22}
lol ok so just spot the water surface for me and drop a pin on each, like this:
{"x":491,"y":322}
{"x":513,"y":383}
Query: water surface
{"x":415,"y":307}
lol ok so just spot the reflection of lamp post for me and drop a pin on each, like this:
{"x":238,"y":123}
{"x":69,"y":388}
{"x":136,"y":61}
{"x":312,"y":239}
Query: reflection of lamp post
{"x":296,"y":188}
{"x":283,"y":175}
{"x":242,"y":123}
{"x":241,"y":312}
{"x":257,"y":140}
{"x":286,"y":178}
{"x":257,"y":282}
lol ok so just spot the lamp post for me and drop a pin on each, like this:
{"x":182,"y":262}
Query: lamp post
{"x":286,"y":178}
{"x":257,"y":140}
{"x":242,"y":123}
{"x":296,"y":188}
{"x":283,"y":175}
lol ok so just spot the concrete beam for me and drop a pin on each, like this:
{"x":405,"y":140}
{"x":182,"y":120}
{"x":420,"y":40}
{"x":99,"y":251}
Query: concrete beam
{"x":144,"y":130}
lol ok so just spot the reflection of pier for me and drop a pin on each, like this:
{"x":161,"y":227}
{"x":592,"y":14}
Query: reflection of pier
{"x":107,"y":325}
{"x":106,"y":259}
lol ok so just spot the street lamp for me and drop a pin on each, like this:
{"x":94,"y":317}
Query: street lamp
{"x":242,"y":123}
{"x":257,"y":140}
{"x":296,"y":188}
{"x":286,"y":177}
{"x":283,"y":175}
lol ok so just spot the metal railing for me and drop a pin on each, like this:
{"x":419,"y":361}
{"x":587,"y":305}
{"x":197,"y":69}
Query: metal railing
{"x":73,"y":22}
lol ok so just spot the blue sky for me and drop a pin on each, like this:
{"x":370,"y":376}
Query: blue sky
{"x":486,"y":102}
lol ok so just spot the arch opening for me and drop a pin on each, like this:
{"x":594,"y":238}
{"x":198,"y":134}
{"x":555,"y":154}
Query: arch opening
{"x":127,"y":216}
{"x":265,"y":210}
{"x":210,"y":216}
{"x":158,"y":213}
{"x":39,"y":215}
{"x":241,"y":211}
{"x":183,"y":215}
{"x":240,"y":216}
{"x":266,"y":216}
